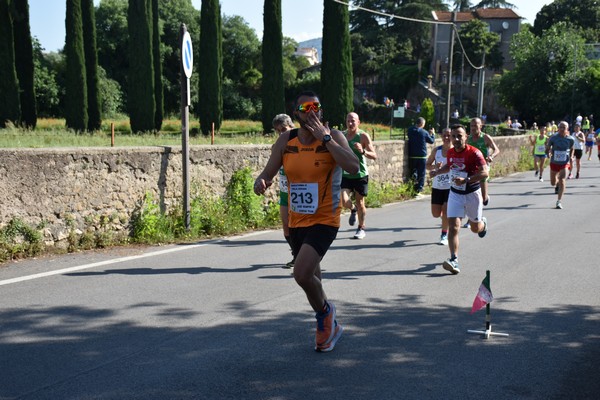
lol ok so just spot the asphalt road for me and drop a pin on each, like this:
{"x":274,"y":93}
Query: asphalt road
{"x":222,"y":320}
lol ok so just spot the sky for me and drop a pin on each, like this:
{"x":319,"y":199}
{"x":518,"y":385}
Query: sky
{"x":301,"y":19}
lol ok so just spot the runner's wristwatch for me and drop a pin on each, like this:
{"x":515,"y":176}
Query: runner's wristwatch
{"x":326,"y":139}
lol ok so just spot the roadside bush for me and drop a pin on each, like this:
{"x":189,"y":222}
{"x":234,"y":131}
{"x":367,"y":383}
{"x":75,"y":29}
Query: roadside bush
{"x":244,"y":207}
{"x":149,"y":224}
{"x":238,"y":210}
{"x":18,"y":239}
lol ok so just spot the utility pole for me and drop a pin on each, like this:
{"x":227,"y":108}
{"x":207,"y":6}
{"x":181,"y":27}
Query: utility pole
{"x":450,"y":57}
{"x":481,"y":85}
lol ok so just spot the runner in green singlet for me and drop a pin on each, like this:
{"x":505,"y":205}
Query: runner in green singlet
{"x":361,"y":144}
{"x":488,"y":148}
{"x":538,"y":141}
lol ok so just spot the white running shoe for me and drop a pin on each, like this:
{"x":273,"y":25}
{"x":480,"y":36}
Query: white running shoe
{"x":360,"y":234}
{"x":452,"y":266}
{"x":444,"y":240}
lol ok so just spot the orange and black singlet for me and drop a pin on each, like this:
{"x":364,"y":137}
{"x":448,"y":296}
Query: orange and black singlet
{"x":313,"y":183}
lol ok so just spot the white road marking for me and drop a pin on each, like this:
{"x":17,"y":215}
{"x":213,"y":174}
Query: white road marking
{"x":119,"y":260}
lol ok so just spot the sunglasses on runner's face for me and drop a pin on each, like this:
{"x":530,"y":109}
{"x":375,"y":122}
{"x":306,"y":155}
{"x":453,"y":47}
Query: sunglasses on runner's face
{"x":308,"y":106}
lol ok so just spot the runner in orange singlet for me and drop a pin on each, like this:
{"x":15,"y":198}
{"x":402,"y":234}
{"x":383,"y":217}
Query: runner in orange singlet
{"x":313,"y":158}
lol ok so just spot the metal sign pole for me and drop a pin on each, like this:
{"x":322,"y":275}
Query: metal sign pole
{"x":186,"y":73}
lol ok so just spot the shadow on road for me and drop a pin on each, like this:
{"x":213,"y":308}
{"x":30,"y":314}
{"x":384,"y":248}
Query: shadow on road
{"x":390,"y":349}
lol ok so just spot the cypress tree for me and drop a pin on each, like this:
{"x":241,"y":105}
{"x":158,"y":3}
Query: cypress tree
{"x":91,"y":65}
{"x":141,"y":70}
{"x":336,"y":68}
{"x":10,"y":108}
{"x":158,"y":84}
{"x":76,"y":113}
{"x":273,"y":98}
{"x":24,"y":63}
{"x":210,"y":66}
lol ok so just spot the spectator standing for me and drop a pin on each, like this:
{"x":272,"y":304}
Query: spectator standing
{"x":418,"y":138}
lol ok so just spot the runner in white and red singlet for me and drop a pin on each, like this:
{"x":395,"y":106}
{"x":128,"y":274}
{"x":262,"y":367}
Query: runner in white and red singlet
{"x":467,"y":167}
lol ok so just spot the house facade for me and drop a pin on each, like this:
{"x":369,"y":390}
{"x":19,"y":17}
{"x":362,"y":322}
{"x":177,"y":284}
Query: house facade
{"x":503,"y":21}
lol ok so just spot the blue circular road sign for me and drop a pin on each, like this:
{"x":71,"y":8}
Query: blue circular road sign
{"x":187,"y":55}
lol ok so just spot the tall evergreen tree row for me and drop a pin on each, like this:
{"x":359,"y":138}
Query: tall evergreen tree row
{"x":210,"y":67}
{"x":273,"y":98}
{"x":141,"y":102}
{"x":145,"y":95}
{"x":10,"y":108}
{"x":94,"y":104}
{"x":24,"y":63}
{"x":82,"y":101}
{"x":337,"y":86}
{"x":76,"y":110}
{"x":157,"y":59}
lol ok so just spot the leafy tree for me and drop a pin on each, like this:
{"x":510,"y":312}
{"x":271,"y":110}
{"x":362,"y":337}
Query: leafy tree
{"x":241,"y":47}
{"x":583,"y":14}
{"x":211,"y":67}
{"x":477,"y":41}
{"x":113,"y":40}
{"x":94,"y":106}
{"x":158,"y":85}
{"x":587,"y":88}
{"x":337,"y":84}
{"x":241,"y":67}
{"x":141,"y":103}
{"x":111,"y":94}
{"x":236,"y":106}
{"x":76,"y":110}
{"x":380,"y":45}
{"x":462,"y":5}
{"x":172,"y":14}
{"x":553,"y":64}
{"x":10,"y":109}
{"x":415,"y":35}
{"x":308,"y":81}
{"x":47,"y":91}
{"x":273,"y":101}
{"x":494,"y":4}
{"x":292,"y":64}
{"x":24,"y":63}
{"x":428,"y":112}
{"x":392,"y":37}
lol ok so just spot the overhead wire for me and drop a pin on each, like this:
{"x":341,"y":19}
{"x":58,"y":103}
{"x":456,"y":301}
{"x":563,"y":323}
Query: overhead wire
{"x":453,"y":25}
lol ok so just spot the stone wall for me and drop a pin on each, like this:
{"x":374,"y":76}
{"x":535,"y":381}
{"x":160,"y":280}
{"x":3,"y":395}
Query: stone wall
{"x":99,"y":188}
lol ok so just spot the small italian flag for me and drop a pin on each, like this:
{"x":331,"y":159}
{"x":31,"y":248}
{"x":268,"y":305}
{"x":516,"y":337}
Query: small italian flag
{"x":484,"y":296}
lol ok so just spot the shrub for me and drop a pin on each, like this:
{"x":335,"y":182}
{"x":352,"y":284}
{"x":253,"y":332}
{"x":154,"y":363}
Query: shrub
{"x":244,"y":207}
{"x":149,"y":224}
{"x":18,"y":239}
